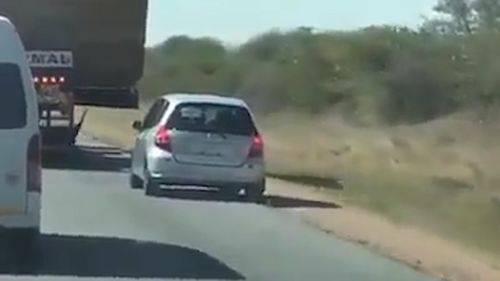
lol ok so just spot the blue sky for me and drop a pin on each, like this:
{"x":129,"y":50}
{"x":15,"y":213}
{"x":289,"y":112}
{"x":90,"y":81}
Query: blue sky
{"x":234,"y":21}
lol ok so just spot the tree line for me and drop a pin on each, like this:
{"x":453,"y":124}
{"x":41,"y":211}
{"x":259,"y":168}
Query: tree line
{"x":389,"y":73}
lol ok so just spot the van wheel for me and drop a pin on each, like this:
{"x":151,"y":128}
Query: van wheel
{"x":26,"y":250}
{"x":136,"y":182}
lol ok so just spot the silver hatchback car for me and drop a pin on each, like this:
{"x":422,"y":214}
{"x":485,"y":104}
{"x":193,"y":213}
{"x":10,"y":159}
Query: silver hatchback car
{"x":199,"y":140}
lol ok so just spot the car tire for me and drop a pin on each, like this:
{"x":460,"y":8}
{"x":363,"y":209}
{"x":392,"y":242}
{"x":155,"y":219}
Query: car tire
{"x":255,"y":193}
{"x":136,"y":182}
{"x":151,"y":188}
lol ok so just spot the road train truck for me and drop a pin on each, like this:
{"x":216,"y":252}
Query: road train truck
{"x":81,"y":53}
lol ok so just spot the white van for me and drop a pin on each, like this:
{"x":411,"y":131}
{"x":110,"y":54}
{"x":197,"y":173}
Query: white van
{"x":20,"y":149}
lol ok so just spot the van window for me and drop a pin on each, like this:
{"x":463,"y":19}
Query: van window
{"x":212,"y":118}
{"x":12,"y":97}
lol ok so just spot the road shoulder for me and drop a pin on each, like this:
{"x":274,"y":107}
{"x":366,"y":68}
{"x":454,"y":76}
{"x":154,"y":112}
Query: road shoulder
{"x":424,"y":251}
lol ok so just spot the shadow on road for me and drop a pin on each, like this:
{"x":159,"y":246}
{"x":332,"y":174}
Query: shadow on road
{"x":87,"y":158}
{"x":272,"y":201}
{"x":287,"y":202}
{"x":332,"y":183}
{"x":112,"y":257}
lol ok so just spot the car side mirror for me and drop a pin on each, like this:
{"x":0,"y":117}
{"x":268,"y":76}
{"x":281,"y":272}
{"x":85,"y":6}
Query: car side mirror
{"x":137,"y":125}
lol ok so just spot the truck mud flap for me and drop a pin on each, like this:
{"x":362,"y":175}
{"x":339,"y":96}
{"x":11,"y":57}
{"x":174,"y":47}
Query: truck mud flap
{"x":78,"y":127}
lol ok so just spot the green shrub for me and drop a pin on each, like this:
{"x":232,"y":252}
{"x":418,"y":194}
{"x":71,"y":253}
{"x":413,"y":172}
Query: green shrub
{"x":382,"y":73}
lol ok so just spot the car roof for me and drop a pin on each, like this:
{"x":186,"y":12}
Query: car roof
{"x":203,"y":98}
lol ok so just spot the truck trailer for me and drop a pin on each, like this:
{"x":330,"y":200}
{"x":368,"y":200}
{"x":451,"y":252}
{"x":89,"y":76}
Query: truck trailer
{"x":81,"y":52}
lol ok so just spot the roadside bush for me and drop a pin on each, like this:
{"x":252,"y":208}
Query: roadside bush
{"x":387,"y":73}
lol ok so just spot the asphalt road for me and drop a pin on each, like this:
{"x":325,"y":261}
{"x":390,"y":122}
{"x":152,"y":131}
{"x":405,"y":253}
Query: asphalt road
{"x":95,"y":227}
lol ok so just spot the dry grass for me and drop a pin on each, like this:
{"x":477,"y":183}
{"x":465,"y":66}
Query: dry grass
{"x":441,"y":175}
{"x":112,"y":126}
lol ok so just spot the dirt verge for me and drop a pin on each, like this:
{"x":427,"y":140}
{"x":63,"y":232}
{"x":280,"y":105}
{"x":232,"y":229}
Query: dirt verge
{"x":424,"y":251}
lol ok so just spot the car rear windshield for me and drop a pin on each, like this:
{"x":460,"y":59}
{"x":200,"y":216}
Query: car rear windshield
{"x":12,"y":98}
{"x":213,"y":118}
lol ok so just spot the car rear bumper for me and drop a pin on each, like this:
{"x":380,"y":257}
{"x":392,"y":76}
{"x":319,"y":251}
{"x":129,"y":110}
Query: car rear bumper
{"x":165,"y":170}
{"x":29,"y":219}
{"x":227,"y":185}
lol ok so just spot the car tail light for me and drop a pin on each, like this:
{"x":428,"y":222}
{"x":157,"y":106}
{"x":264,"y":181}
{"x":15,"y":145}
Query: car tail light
{"x":163,"y":140}
{"x":257,"y":148}
{"x":34,"y":169}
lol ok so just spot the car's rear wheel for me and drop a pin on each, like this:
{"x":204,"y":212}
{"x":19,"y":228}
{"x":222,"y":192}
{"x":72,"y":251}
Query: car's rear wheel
{"x":136,"y":182}
{"x":255,"y":193}
{"x":151,"y":188}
